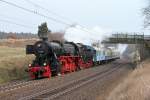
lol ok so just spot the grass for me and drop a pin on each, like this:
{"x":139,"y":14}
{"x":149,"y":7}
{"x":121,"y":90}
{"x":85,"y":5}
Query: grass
{"x":136,"y":86}
{"x":13,"y":62}
{"x":17,"y":42}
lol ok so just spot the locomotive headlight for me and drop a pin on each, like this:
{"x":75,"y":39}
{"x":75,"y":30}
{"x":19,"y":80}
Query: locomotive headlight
{"x":30,"y":65}
{"x":44,"y":64}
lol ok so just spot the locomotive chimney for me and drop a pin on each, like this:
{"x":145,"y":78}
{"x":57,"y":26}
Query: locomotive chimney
{"x":45,"y":38}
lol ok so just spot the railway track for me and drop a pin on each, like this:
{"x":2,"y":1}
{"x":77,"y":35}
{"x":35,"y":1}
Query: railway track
{"x":50,"y":94}
{"x":19,"y":84}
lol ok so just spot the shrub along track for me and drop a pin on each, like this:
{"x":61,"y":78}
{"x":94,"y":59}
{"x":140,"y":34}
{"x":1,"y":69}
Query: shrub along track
{"x":40,"y":89}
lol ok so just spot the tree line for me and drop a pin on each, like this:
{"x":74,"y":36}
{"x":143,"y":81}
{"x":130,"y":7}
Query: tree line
{"x":14,"y":35}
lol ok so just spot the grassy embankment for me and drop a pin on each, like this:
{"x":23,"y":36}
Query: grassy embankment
{"x":13,"y":61}
{"x":136,"y":86}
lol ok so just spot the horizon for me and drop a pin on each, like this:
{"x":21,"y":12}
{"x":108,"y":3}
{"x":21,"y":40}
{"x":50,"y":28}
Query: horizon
{"x":115,"y":15}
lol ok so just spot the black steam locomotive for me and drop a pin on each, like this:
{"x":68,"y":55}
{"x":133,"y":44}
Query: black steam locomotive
{"x":55,"y":58}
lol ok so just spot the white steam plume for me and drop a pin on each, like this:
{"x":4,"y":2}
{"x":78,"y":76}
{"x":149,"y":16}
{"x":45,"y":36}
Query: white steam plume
{"x":79,"y":34}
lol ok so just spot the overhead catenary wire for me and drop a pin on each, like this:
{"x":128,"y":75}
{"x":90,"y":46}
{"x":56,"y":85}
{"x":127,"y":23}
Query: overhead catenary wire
{"x":13,"y":19}
{"x":18,"y":24}
{"x":35,"y":12}
{"x":42,"y":15}
{"x":58,"y":15}
{"x":49,"y":11}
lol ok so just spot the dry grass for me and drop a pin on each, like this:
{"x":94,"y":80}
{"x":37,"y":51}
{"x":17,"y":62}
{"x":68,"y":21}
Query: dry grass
{"x":136,"y":86}
{"x":17,"y":43}
{"x":13,"y":62}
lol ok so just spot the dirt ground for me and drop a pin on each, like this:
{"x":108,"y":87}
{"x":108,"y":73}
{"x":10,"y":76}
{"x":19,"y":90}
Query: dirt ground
{"x":136,"y":85}
{"x":100,"y":89}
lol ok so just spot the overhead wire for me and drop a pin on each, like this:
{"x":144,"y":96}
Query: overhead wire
{"x":42,"y":15}
{"x":58,"y":15}
{"x":49,"y":11}
{"x":10,"y":18}
{"x":18,"y":24}
{"x":35,"y":12}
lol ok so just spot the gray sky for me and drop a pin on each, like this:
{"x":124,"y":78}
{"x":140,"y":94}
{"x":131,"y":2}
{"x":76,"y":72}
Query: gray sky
{"x":115,"y":15}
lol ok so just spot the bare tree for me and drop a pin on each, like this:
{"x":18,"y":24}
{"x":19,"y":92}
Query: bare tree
{"x":146,"y":13}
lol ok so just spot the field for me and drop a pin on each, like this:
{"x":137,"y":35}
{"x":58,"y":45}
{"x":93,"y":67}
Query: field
{"x":13,"y":60}
{"x":136,"y":86}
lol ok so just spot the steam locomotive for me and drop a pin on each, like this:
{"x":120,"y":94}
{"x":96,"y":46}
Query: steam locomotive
{"x":55,"y":58}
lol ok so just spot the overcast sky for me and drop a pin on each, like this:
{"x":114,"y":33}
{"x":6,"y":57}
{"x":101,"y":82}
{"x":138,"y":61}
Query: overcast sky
{"x":115,"y":15}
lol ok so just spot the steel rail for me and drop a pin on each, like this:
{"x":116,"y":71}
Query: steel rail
{"x":50,"y":94}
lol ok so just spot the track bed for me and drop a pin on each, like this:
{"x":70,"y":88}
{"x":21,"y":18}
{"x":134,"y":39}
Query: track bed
{"x":61,"y":85}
